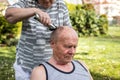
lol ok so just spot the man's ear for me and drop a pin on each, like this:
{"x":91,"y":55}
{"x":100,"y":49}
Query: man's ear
{"x":52,"y":43}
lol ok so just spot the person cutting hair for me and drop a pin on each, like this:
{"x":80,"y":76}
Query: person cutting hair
{"x":33,"y":46}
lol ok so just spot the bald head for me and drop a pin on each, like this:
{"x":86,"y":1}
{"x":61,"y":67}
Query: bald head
{"x":63,"y":42}
{"x":63,"y":33}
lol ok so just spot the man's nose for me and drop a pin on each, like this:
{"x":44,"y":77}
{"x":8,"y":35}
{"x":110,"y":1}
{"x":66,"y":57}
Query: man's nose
{"x":72,"y":50}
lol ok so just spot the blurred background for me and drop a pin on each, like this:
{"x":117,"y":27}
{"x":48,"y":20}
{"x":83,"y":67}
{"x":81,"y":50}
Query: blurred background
{"x":98,"y":25}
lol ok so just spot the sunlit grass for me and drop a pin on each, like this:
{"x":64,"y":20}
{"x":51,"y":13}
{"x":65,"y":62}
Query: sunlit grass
{"x":7,"y":51}
{"x":101,"y":54}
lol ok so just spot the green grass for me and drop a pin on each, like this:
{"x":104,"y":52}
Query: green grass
{"x":101,"y":54}
{"x":7,"y":57}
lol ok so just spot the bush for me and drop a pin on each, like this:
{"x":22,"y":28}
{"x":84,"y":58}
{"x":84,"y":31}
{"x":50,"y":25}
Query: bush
{"x":8,"y":32}
{"x":103,"y":24}
{"x":86,"y":22}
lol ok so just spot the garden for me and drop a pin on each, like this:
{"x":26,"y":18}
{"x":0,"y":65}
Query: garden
{"x":98,"y":47}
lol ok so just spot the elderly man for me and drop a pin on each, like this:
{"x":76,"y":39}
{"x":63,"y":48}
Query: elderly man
{"x":61,"y":65}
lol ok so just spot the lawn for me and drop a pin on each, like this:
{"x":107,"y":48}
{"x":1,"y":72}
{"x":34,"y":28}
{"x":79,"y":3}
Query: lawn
{"x":7,"y":57}
{"x":101,"y":54}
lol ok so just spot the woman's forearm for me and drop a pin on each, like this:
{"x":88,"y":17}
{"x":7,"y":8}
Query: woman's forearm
{"x":14,"y":15}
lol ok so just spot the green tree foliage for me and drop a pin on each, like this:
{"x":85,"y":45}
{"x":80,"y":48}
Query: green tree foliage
{"x":87,"y":22}
{"x":7,"y":31}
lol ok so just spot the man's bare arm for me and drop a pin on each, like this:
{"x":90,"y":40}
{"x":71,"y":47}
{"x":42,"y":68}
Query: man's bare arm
{"x":38,"y":73}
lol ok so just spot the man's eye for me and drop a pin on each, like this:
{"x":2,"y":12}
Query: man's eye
{"x":75,"y":46}
{"x":69,"y":46}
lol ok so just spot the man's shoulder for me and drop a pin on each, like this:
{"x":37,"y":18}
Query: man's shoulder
{"x":37,"y":72}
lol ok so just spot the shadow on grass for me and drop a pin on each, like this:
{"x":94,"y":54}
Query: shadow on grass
{"x":7,"y":57}
{"x":6,"y":68}
{"x":97,"y":76}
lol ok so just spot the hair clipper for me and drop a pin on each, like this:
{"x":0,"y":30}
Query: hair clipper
{"x":51,"y":26}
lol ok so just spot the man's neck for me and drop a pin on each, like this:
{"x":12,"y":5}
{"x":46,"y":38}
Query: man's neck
{"x":67,"y":67}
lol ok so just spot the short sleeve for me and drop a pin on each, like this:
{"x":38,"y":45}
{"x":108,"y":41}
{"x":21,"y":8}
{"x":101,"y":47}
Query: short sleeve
{"x":21,"y":4}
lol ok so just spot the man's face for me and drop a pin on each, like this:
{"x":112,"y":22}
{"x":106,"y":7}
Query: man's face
{"x":64,"y":49}
{"x":46,"y":3}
